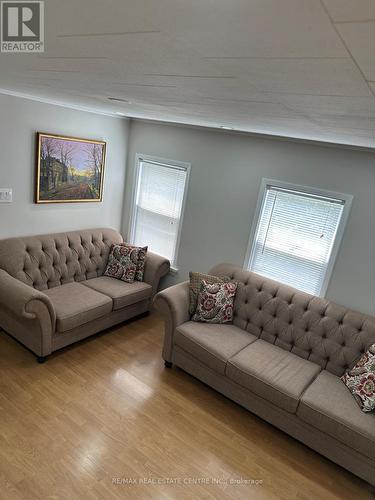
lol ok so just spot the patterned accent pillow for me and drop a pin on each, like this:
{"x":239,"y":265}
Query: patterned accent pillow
{"x":141,"y":263}
{"x":142,"y":252}
{"x":360,"y":380}
{"x":215,"y":302}
{"x":195,"y":286}
{"x":122,"y":263}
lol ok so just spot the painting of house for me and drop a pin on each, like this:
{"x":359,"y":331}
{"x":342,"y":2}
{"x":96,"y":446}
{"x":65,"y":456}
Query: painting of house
{"x":69,"y":169}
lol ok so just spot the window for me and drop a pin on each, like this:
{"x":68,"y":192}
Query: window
{"x":296,"y":235}
{"x":160,"y":191}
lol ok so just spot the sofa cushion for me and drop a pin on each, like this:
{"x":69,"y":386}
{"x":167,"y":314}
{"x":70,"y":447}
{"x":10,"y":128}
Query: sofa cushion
{"x":76,"y":305}
{"x":123,"y":294}
{"x":211,"y":344}
{"x":360,"y":380}
{"x":215,"y":303}
{"x":141,"y":263}
{"x":122,"y":262}
{"x":328,"y":405}
{"x":272,"y":373}
{"x":195,"y":286}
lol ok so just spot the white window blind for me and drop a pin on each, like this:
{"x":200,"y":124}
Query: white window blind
{"x":295,"y":237}
{"x":159,"y":200}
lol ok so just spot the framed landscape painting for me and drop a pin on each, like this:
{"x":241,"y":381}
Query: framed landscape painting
{"x":69,"y":170}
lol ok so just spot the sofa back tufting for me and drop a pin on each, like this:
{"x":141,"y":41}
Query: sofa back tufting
{"x":311,"y":327}
{"x":50,"y":260}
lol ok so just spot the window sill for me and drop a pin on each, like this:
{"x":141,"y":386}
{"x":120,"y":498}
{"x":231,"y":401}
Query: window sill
{"x":173,"y":270}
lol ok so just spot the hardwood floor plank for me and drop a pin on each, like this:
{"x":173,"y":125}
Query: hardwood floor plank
{"x":104,"y":420}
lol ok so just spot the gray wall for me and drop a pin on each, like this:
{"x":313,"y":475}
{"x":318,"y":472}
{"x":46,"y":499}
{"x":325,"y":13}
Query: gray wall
{"x":226,"y":171}
{"x":19,"y":120}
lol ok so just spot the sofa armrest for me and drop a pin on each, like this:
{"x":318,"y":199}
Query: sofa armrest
{"x":156,"y":267}
{"x":173,"y":304}
{"x":25,"y":301}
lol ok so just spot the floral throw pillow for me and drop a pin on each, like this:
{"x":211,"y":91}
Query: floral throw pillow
{"x":141,"y":263}
{"x":195,"y":285}
{"x":360,"y":380}
{"x":122,"y":263}
{"x":215,"y":302}
{"x":142,"y":252}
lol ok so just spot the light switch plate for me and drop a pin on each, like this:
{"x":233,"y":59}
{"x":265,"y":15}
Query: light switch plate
{"x":6,"y":195}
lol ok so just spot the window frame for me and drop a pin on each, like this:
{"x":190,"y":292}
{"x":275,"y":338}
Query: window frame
{"x":139,"y":157}
{"x":308,"y":190}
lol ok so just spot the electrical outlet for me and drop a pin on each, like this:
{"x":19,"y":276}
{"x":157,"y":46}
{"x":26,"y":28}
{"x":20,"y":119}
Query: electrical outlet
{"x":6,"y":195}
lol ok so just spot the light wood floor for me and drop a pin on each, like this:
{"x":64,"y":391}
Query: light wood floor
{"x":106,"y":410}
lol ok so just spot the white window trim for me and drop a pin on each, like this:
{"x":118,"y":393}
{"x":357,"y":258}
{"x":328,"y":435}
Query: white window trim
{"x":347,"y":198}
{"x":168,"y":163}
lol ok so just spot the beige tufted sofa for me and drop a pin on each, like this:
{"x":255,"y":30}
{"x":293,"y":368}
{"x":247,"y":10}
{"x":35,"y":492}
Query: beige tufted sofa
{"x":281,"y":359}
{"x":52,"y":292}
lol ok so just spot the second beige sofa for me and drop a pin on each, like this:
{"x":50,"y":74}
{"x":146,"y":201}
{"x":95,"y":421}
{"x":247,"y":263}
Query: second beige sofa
{"x":281,"y":359}
{"x":53,"y":292}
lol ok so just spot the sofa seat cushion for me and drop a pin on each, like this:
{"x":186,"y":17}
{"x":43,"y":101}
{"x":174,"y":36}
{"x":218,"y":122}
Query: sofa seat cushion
{"x":212,"y":344}
{"x":272,"y":373}
{"x":76,"y":305}
{"x":329,"y":406}
{"x":123,"y":294}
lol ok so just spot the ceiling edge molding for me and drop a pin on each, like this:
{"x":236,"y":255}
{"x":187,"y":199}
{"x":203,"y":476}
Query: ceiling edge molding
{"x":259,"y":135}
{"x":53,"y":102}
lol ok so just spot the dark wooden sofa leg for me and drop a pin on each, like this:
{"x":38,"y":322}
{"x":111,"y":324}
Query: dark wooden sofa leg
{"x":168,"y":364}
{"x":41,"y":359}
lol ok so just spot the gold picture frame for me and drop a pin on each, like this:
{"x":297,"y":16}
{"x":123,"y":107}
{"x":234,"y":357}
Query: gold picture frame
{"x":69,"y":169}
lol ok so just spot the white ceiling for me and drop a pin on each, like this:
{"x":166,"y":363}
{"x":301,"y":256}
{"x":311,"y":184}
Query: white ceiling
{"x":297,"y":68}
